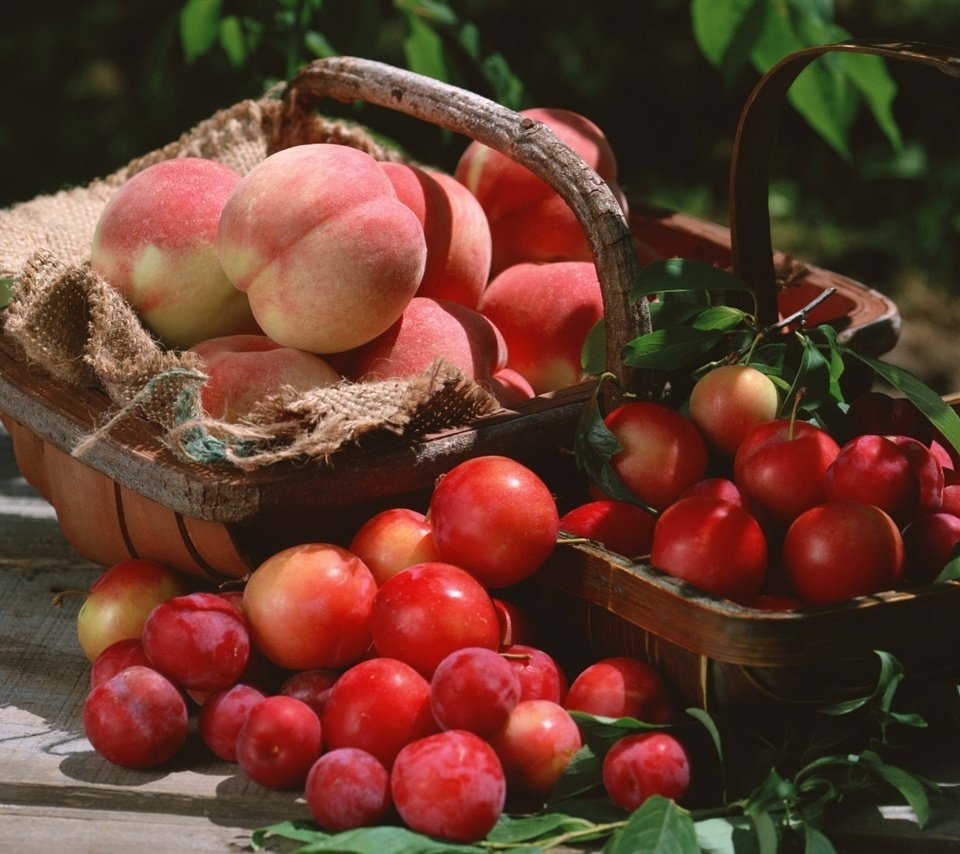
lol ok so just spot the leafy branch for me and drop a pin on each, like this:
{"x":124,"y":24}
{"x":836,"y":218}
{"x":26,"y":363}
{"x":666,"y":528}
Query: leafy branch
{"x":697,"y":327}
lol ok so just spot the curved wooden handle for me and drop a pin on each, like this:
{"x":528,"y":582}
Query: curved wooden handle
{"x":530,"y":143}
{"x":753,"y":147}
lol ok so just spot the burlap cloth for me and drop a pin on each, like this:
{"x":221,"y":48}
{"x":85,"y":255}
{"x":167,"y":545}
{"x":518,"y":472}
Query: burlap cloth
{"x":68,"y":321}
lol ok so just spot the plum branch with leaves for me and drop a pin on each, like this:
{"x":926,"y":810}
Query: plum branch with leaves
{"x":699,"y":323}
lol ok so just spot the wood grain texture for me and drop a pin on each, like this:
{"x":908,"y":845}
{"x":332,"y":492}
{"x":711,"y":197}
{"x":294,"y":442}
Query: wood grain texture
{"x":723,"y":656}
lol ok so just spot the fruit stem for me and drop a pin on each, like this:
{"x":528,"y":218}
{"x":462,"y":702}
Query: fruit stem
{"x":799,"y":317}
{"x":64,"y":594}
{"x":795,"y":409}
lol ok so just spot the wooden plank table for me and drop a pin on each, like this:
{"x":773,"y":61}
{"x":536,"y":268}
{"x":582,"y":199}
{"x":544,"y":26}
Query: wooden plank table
{"x":53,"y":787}
{"x":56,"y":792}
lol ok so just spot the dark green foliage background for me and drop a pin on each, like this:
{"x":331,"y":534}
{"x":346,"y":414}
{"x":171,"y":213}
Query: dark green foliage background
{"x":89,"y":84}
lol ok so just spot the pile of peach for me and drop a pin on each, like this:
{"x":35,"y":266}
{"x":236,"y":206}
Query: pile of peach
{"x":323,"y":263}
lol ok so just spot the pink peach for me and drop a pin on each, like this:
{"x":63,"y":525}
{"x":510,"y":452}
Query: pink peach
{"x":429,"y":328}
{"x":327,"y":253}
{"x":154,"y":243}
{"x":456,"y":231}
{"x":529,"y":221}
{"x":544,"y":312}
{"x":246,"y":369}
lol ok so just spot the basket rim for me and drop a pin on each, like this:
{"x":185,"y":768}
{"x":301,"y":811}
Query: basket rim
{"x":736,"y":634}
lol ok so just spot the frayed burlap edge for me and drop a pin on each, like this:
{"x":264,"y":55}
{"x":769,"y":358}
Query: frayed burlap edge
{"x":316,"y":424}
{"x":70,"y":323}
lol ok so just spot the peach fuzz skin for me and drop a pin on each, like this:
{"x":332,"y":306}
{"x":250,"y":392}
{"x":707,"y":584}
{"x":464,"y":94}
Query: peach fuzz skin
{"x":456,"y":230}
{"x":427,"y":329}
{"x":544,"y":312}
{"x":154,"y":243}
{"x":246,"y":369}
{"x":529,"y":221}
{"x":327,"y":254}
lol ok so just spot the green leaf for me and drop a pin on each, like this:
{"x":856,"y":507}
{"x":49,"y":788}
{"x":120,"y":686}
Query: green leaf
{"x":706,"y":720}
{"x":826,"y":336}
{"x":199,"y":26}
{"x":295,"y":830}
{"x":813,"y":376}
{"x":940,"y":414}
{"x":510,"y":830}
{"x":727,"y":30}
{"x":435,"y":11}
{"x":822,"y":97}
{"x":678,"y":308}
{"x":767,"y":836}
{"x":423,"y":49}
{"x":718,"y":835}
{"x":912,"y":787}
{"x":659,"y":826}
{"x":600,"y":733}
{"x":670,"y":349}
{"x":828,"y":102}
{"x":866,"y":75}
{"x":233,"y":41}
{"x":889,"y":676}
{"x":683,"y":274}
{"x":871,"y":78}
{"x":6,"y":291}
{"x":583,"y":773}
{"x":593,"y":356}
{"x":318,"y":45}
{"x":383,"y":839}
{"x":814,"y":842}
{"x":506,"y":87}
{"x":468,"y":38}
{"x":951,"y":571}
{"x":769,"y":795}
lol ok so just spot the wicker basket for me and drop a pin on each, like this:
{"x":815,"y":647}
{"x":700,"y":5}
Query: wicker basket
{"x":719,"y":655}
{"x":131,"y":496}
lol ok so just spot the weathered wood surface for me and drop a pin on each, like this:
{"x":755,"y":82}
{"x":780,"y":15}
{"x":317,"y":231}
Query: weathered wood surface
{"x":55,"y":792}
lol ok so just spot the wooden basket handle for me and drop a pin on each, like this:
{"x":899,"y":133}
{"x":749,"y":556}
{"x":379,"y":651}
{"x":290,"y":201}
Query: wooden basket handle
{"x":530,"y":143}
{"x":753,"y":147}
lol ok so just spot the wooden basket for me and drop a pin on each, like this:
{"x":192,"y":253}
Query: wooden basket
{"x":131,"y":496}
{"x":719,"y":655}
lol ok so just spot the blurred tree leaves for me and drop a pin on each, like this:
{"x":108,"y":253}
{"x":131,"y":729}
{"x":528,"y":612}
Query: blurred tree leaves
{"x":90,"y":84}
{"x":429,"y":38}
{"x":735,"y":34}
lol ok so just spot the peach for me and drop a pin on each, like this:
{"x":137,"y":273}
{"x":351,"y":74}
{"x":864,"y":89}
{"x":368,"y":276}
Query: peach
{"x":456,"y":230}
{"x":154,"y":243}
{"x":427,"y":329}
{"x":327,"y":254}
{"x":529,"y":221}
{"x":544,"y":312}
{"x":509,"y":387}
{"x":245,"y":369}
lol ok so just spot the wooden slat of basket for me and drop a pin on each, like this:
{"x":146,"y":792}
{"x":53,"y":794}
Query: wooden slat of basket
{"x":734,"y":634}
{"x":717,"y":654}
